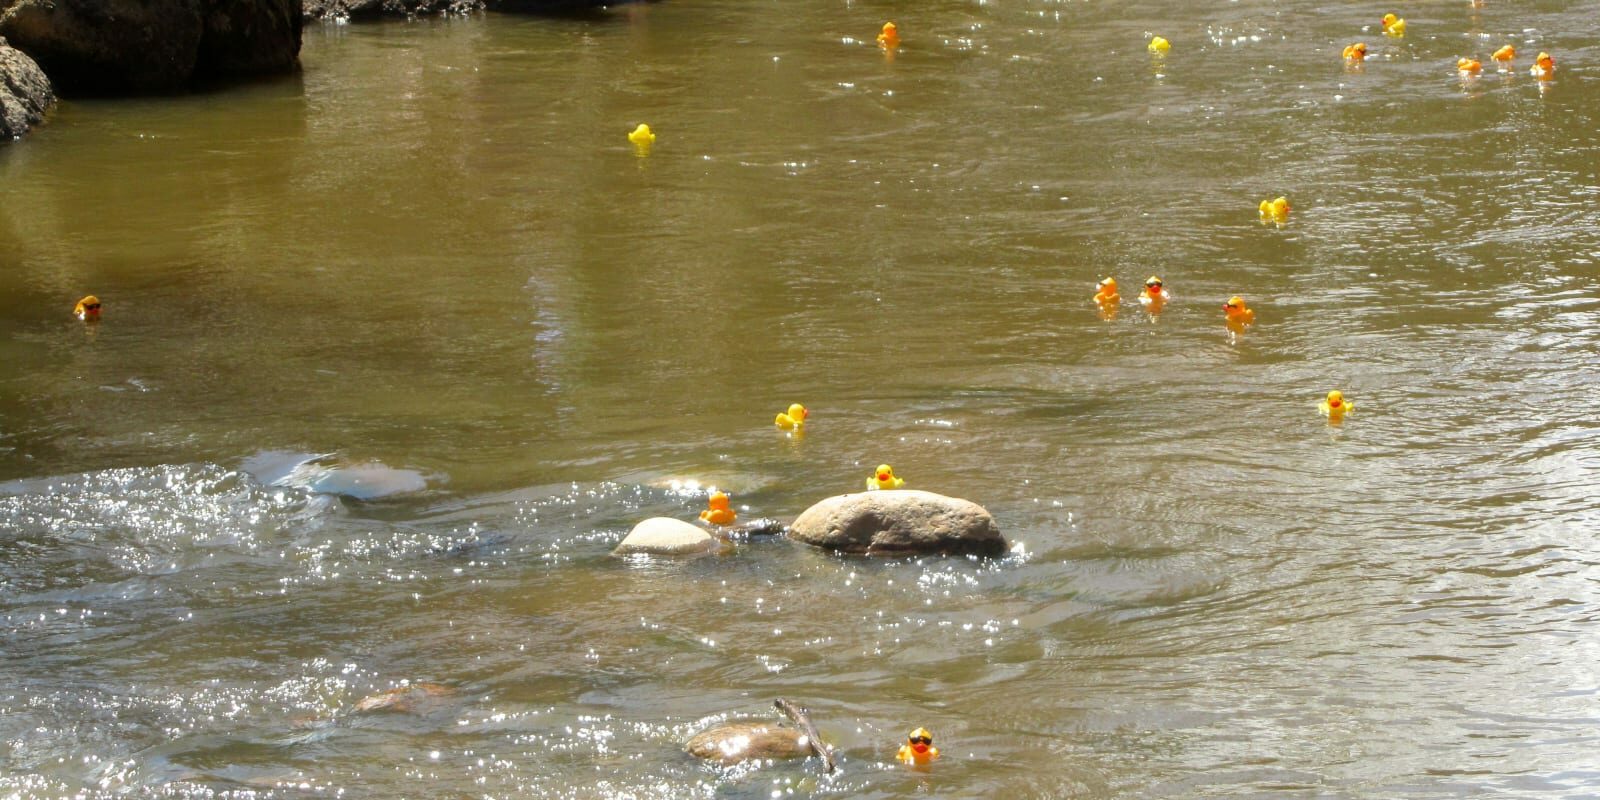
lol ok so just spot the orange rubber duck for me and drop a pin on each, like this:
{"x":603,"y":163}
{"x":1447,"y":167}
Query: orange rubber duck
{"x":1504,"y":56}
{"x":1239,"y":315}
{"x":87,"y":309}
{"x":1356,"y":53}
{"x":792,"y":420}
{"x":883,"y":478}
{"x":1107,"y":298}
{"x":918,"y":749}
{"x":1335,"y":407}
{"x":1154,"y":297}
{"x":1544,"y":67}
{"x":889,"y":37}
{"x":1469,"y":66}
{"x":718,"y":511}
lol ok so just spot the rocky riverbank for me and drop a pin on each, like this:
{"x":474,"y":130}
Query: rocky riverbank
{"x":364,"y":9}
{"x":119,"y":47}
{"x":25,"y":93}
{"x":110,"y":47}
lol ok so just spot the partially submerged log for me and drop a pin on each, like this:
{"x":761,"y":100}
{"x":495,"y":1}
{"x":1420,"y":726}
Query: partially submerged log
{"x":803,"y":719}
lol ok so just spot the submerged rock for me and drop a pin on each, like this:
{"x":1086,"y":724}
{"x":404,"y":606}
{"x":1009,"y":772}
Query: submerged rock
{"x":665,"y":536}
{"x":330,"y":474}
{"x":117,"y":46}
{"x":741,"y":741}
{"x":899,"y":522}
{"x":25,"y":93}
{"x":413,"y":698}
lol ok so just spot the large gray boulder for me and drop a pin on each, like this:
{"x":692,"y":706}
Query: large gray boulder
{"x":25,"y":93}
{"x":121,"y":46}
{"x":899,"y":522}
{"x":665,"y":536}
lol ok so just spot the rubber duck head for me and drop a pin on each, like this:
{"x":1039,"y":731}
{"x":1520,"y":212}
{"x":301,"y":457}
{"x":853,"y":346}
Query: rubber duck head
{"x":1106,"y":290}
{"x":889,"y":36}
{"x":884,"y":478}
{"x":642,"y":136}
{"x":1152,"y":285}
{"x":1505,"y":53}
{"x":1356,"y":52}
{"x":1237,"y":311}
{"x":1544,"y":65}
{"x":1336,"y":399}
{"x":88,"y":309}
{"x":1393,"y":25}
{"x":919,"y":748}
{"x":1469,"y":66}
{"x":1159,"y":45}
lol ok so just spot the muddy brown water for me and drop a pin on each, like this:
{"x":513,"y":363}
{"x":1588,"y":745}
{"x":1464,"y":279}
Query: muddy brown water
{"x":395,"y":351}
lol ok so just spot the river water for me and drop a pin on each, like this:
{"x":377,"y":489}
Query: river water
{"x":395,"y":351}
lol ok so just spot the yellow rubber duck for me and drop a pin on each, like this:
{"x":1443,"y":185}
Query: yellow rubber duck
{"x":1154,"y":297}
{"x":1393,"y":26}
{"x":918,"y":749}
{"x":1469,"y":66}
{"x":1335,"y":407}
{"x":1239,"y":314}
{"x":717,"y":511}
{"x":889,"y":37}
{"x":642,"y":137}
{"x":1275,"y":210}
{"x":87,"y":309}
{"x":1504,"y":57}
{"x":792,"y":420}
{"x":1106,"y":296}
{"x":883,"y":478}
{"x":1159,"y":45}
{"x":1544,"y":67}
{"x":1356,"y":53}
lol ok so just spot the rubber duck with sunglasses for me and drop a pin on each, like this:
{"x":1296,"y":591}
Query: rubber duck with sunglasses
{"x":918,"y":749}
{"x":1154,"y":297}
{"x":88,"y":309}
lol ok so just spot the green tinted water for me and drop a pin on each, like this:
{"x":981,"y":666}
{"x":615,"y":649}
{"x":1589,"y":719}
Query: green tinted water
{"x":435,"y":251}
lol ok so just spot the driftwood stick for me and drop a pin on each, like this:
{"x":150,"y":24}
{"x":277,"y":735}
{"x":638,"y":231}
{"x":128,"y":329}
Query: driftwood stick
{"x":802,"y":719}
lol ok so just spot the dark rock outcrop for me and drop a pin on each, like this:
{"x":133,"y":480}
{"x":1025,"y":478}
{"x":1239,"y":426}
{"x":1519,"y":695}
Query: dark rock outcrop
{"x":122,"y":46}
{"x":249,"y":38}
{"x":899,"y":522}
{"x":25,"y":93}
